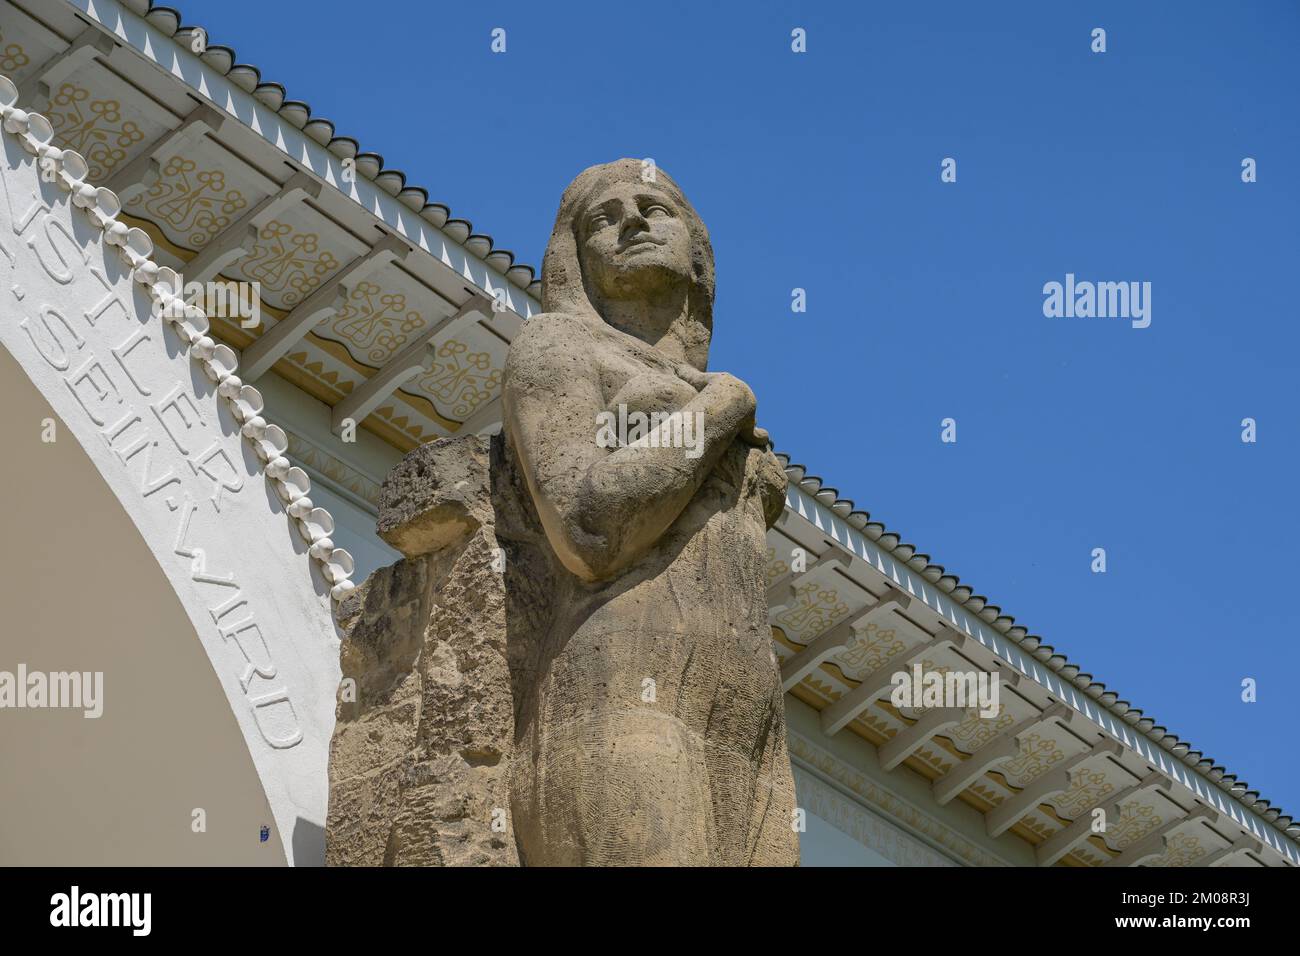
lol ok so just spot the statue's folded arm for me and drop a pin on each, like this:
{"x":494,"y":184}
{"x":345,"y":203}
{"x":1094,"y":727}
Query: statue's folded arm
{"x":602,"y":508}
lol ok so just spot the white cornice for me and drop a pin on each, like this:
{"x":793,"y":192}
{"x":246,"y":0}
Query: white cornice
{"x":178,"y":62}
{"x":218,"y":362}
{"x":1153,"y":752}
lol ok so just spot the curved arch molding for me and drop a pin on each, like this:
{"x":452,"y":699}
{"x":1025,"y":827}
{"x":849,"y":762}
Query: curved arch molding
{"x":182,"y":444}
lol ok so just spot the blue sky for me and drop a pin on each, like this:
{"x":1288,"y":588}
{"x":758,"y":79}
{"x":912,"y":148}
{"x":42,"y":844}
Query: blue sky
{"x":821,"y":171}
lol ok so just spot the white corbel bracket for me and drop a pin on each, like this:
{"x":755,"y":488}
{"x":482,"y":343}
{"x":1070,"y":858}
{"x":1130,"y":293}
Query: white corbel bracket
{"x":417,"y":358}
{"x":1004,"y":746}
{"x":832,"y":555}
{"x":276,"y":342}
{"x":910,"y":739}
{"x":836,"y":716}
{"x":1156,"y":843}
{"x":239,"y":238}
{"x":838,"y":638}
{"x":1002,"y":817}
{"x":143,"y":171}
{"x":1243,"y":844}
{"x":1080,"y":828}
{"x":35,"y":91}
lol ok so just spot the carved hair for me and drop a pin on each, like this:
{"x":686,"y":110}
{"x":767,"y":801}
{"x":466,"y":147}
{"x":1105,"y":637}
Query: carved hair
{"x":563,"y":289}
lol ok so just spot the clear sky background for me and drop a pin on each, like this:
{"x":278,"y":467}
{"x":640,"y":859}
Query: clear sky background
{"x":821,"y":171}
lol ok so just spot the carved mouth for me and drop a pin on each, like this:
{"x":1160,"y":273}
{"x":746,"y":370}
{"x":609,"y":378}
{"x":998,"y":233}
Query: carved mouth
{"x":635,"y":244}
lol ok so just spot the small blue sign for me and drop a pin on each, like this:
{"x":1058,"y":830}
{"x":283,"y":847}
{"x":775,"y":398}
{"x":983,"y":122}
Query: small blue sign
{"x":265,"y":834}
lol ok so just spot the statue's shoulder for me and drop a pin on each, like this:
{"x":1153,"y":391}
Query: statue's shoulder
{"x":551,"y":336}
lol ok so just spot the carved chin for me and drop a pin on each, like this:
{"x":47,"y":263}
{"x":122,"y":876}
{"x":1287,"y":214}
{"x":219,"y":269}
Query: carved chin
{"x":646,"y":272}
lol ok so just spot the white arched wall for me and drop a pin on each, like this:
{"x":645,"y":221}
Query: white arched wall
{"x":121,"y":788}
{"x":140,"y":396}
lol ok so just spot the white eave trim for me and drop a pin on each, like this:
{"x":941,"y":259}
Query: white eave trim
{"x":836,"y":529}
{"x":174,"y":60}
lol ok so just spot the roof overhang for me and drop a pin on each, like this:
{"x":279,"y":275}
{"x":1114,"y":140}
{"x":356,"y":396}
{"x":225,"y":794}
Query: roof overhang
{"x":375,"y":302}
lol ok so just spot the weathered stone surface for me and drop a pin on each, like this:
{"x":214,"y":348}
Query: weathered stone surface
{"x":436,"y":495}
{"x":614,"y":686}
{"x":418,"y":759}
{"x":650,"y":722}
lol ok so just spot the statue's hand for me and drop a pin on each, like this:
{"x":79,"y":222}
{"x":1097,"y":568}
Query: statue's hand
{"x":734,"y":392}
{"x":730,"y":392}
{"x":692,"y":376}
{"x":751,"y":434}
{"x":771,"y":483}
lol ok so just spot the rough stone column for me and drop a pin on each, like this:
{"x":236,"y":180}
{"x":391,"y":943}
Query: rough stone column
{"x":419,"y":755}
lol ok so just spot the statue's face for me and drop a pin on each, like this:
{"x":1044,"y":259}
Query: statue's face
{"x":633,"y":242}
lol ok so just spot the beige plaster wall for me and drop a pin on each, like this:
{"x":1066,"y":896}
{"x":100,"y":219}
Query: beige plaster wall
{"x":81,"y":591}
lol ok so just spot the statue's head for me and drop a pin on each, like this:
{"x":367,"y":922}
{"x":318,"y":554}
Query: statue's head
{"x":624,"y":235}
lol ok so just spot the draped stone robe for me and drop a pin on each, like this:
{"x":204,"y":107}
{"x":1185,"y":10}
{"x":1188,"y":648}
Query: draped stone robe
{"x":650,"y":726}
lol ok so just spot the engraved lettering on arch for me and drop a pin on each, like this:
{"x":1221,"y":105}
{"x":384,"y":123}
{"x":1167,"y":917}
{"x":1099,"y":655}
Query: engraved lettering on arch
{"x":227,"y":606}
{"x":258,"y":662}
{"x":270,"y":700}
{"x":109,"y":300}
{"x":16,"y":222}
{"x":64,"y":275}
{"x":198,"y":558}
{"x":203,"y":458}
{"x":122,"y":351}
{"x":172,"y":400}
{"x":86,"y":375}
{"x":60,"y":361}
{"x":138,"y":444}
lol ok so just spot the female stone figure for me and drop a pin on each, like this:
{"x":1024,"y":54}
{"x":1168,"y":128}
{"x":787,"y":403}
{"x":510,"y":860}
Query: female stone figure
{"x":650,"y":726}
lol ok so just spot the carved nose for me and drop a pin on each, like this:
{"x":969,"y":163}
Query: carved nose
{"x":634,"y":223}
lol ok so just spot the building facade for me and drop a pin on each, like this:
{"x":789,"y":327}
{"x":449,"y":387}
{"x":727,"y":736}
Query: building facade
{"x":234,"y":322}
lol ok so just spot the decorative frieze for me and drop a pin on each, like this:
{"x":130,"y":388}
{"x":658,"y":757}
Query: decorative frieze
{"x":70,"y":170}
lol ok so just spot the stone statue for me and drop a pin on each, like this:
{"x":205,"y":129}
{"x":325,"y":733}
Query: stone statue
{"x":572,"y":665}
{"x":650,"y":725}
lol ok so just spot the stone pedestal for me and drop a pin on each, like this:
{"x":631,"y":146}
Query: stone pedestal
{"x":420,"y":752}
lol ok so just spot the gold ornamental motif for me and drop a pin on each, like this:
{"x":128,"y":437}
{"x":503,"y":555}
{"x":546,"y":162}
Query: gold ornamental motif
{"x":12,"y":56}
{"x":1182,"y":849}
{"x":1136,"y":820}
{"x":191,"y":200}
{"x":94,"y":128}
{"x":814,"y":611}
{"x":1037,"y":756}
{"x":975,"y":731}
{"x":993,"y":798}
{"x":376,"y":322}
{"x":288,"y":262}
{"x":775,"y":567}
{"x":1035,"y":826}
{"x":461,"y":380}
{"x":1087,"y":788}
{"x":872,"y":647}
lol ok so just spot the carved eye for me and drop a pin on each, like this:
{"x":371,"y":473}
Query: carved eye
{"x":653,"y":212}
{"x":598,"y":221}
